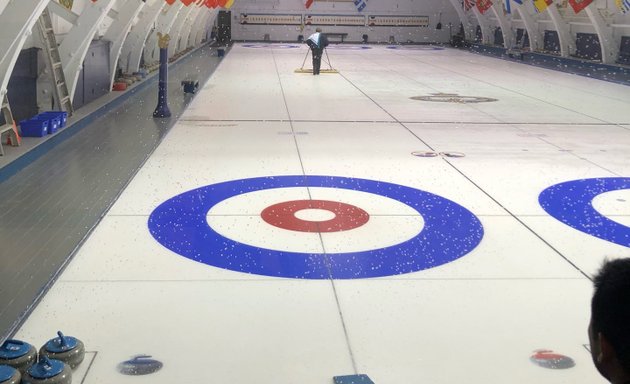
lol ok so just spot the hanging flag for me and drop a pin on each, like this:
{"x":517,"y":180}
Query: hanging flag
{"x":468,"y":5}
{"x":229,"y":4}
{"x":361,"y":4}
{"x":483,"y":5}
{"x":308,"y":3}
{"x":579,"y":5}
{"x":211,"y":3}
{"x":508,"y":6}
{"x":623,"y":5}
{"x":222,"y":3}
{"x":170,"y":2}
{"x":187,"y":2}
{"x":541,"y":5}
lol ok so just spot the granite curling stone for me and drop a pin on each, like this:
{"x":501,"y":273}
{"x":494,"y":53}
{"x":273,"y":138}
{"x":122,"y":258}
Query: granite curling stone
{"x":48,"y":371}
{"x":17,"y":354}
{"x":9,"y":375}
{"x":67,"y":349}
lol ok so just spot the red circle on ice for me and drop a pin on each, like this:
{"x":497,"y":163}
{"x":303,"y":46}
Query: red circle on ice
{"x":347,"y":216}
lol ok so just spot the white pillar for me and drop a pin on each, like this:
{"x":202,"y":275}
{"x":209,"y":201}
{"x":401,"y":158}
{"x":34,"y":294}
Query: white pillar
{"x":567,"y":42}
{"x":505,"y":23}
{"x":486,"y":33}
{"x":177,"y":29}
{"x":164,"y":22}
{"x":195,"y":18}
{"x":75,"y":45}
{"x":3,"y":4}
{"x":16,"y":21}
{"x":134,"y":44}
{"x":468,"y":27}
{"x":609,"y":47}
{"x":117,"y":32}
{"x":203,"y":30}
{"x":532,"y":27}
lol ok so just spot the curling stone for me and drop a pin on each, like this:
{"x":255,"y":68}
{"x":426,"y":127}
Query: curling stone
{"x":17,"y":354}
{"x":140,"y":365}
{"x":48,"y":371}
{"x":9,"y":375}
{"x":67,"y":349}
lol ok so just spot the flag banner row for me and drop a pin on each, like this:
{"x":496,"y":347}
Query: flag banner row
{"x":623,"y":5}
{"x":579,"y":5}
{"x":360,"y":4}
{"x":483,"y":5}
{"x":541,"y":5}
{"x":508,"y":5}
{"x":208,"y":3}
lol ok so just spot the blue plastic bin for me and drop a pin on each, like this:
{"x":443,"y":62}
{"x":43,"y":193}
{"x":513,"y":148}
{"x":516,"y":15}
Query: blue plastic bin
{"x":34,"y":128}
{"x":53,"y":122}
{"x":62,"y":115}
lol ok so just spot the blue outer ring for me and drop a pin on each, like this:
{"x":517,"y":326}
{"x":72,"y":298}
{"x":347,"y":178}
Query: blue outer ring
{"x":450,"y":231}
{"x":269,"y":45}
{"x":572,"y":203}
{"x":338,"y":47}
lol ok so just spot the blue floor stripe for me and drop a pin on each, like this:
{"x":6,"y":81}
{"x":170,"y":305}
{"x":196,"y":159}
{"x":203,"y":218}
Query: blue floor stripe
{"x":353,"y":379}
{"x":619,"y":74}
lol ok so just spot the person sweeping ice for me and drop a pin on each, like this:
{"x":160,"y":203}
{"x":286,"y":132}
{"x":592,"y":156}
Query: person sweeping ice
{"x":317,"y":42}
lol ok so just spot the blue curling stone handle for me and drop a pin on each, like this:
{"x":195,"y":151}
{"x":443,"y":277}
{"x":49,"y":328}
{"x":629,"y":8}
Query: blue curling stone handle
{"x":61,"y":344}
{"x":46,"y":368}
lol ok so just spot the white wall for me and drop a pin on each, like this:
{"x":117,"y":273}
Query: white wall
{"x":432,"y":9}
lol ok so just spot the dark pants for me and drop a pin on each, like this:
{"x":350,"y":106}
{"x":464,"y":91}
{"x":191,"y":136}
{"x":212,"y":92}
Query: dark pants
{"x":317,"y":59}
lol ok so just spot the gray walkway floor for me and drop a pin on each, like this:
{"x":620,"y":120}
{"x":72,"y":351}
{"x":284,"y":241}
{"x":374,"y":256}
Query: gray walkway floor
{"x":49,"y":207}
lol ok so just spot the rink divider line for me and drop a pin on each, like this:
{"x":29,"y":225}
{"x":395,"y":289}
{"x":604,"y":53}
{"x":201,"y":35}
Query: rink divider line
{"x":531,"y":230}
{"x":326,"y":258}
{"x":621,"y":125}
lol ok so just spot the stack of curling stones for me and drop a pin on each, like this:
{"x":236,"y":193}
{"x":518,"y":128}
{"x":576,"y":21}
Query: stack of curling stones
{"x":19,"y":362}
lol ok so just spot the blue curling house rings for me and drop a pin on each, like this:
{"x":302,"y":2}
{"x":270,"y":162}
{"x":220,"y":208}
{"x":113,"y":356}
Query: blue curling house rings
{"x":571,"y":202}
{"x":450,"y":231}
